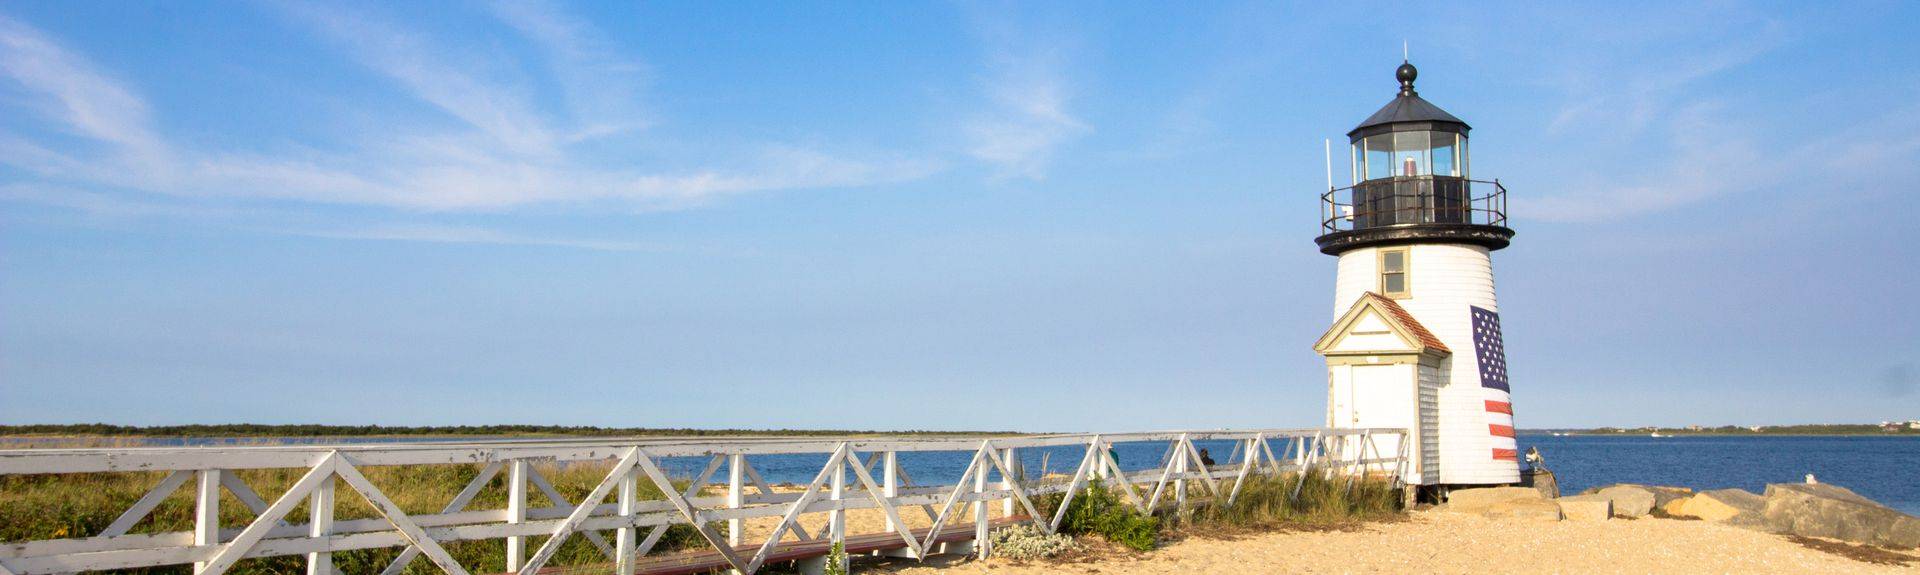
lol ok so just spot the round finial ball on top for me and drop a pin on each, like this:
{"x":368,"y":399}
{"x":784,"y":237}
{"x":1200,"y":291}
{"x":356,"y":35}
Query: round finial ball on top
{"x":1406,"y":73}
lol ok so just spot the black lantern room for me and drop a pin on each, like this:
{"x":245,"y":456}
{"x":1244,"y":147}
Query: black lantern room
{"x":1412,"y":182}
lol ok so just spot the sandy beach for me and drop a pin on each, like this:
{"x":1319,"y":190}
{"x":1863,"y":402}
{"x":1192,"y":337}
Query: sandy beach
{"x":1429,"y":542}
{"x":1424,"y":542}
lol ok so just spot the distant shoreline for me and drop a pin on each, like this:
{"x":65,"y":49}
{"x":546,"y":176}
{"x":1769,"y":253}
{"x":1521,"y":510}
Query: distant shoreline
{"x":242,"y":431}
{"x":1664,"y":434}
{"x":1764,"y":431}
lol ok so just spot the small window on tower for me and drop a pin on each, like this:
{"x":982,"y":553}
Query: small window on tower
{"x":1393,"y":273}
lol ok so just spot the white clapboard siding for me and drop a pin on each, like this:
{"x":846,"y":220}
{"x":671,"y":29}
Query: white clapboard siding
{"x":1444,"y":280}
{"x":1432,"y":378}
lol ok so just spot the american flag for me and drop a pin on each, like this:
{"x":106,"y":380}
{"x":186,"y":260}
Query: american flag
{"x":1487,"y":345}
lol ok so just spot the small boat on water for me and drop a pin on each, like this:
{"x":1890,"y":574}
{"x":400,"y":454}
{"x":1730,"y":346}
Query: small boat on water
{"x":1657,"y":434}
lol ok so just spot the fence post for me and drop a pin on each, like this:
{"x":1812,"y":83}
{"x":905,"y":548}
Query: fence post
{"x":206,"y":511}
{"x":320,"y":508}
{"x":890,"y":479}
{"x":517,"y":511}
{"x":623,"y":539}
{"x":982,"y":543}
{"x":1180,"y":470}
{"x":1100,"y":454}
{"x":736,"y":496}
{"x":837,"y":520}
{"x":1010,"y":463}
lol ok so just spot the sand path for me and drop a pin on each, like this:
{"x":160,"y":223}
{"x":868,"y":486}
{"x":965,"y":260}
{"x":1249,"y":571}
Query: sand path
{"x":1451,"y":543}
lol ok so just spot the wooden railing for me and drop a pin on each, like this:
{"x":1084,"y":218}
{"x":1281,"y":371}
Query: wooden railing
{"x":847,"y":481}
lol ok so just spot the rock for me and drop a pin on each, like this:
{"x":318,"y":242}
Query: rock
{"x":1586,"y":507}
{"x":1502,"y":503}
{"x":1676,"y":508}
{"x":1735,"y":506}
{"x":1662,"y":495}
{"x":1541,"y":480}
{"x":1628,"y":500}
{"x":1820,"y":510}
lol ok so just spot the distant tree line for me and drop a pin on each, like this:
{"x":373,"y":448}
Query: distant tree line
{"x":309,"y":430}
{"x":1806,"y":429}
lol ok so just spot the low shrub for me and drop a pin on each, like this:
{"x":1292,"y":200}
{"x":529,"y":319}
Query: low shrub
{"x":836,"y":560}
{"x":1101,"y":512}
{"x":1024,"y":542}
{"x":1263,"y":501}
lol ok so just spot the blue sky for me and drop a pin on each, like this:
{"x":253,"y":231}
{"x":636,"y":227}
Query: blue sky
{"x":1041,"y":216}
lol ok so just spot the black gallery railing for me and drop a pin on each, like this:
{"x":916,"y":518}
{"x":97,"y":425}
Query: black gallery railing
{"x":1413,"y":200}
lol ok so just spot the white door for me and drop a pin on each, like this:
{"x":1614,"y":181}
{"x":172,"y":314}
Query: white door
{"x":1340,"y":398}
{"x":1383,"y":397}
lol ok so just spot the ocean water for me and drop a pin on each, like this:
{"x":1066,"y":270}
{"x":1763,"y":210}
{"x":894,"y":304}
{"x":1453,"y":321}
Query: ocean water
{"x":1885,"y":469}
{"x":1881,"y":468}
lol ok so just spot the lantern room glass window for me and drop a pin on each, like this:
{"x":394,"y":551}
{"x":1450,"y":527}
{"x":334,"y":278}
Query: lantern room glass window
{"x":1379,"y":156}
{"x":1410,"y":154}
{"x":1444,"y":160}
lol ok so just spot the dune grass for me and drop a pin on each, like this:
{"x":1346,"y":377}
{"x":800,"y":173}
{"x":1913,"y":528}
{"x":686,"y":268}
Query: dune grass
{"x":1264,"y":501}
{"x":1267,"y":500}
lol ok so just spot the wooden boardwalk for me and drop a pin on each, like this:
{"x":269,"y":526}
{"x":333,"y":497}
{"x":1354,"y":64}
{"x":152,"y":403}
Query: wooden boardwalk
{"x":861,"y":472}
{"x":708,"y":561}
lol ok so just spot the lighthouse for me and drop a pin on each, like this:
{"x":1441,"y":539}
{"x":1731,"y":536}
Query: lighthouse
{"x":1416,"y":342}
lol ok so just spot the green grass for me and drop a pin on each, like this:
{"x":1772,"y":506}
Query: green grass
{"x":39,"y":507}
{"x":1101,"y":511}
{"x":1264,"y":501}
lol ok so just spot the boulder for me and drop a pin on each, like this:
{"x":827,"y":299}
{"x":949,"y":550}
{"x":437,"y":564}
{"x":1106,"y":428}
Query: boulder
{"x":1819,"y":510}
{"x":1628,"y":500}
{"x":1541,"y":480}
{"x":1502,"y":503}
{"x":1676,"y":508}
{"x":1736,"y":506}
{"x":1662,"y":495}
{"x":1586,"y":507}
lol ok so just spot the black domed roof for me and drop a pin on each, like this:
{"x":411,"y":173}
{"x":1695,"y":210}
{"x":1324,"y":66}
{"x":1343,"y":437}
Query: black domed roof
{"x":1407,"y":107}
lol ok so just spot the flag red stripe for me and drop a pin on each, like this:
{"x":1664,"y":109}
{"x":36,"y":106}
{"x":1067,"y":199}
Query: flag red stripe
{"x":1499,"y":407}
{"x":1500,"y":430}
{"x":1506,"y":455}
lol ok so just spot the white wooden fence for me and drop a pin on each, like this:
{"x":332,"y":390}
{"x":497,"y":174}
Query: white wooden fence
{"x":637,"y":524}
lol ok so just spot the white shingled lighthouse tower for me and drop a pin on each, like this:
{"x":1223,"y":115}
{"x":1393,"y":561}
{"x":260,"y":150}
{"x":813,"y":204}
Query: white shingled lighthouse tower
{"x":1416,"y":343}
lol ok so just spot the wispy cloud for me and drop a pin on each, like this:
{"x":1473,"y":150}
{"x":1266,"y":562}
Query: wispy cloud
{"x":1710,"y":153}
{"x":72,"y":92}
{"x":602,"y":86}
{"x":1648,"y":75}
{"x":107,"y":206}
{"x":1706,"y":158}
{"x":434,"y":75}
{"x":1029,"y":94}
{"x":1653,"y":90}
{"x":504,"y":151}
{"x":475,"y":235}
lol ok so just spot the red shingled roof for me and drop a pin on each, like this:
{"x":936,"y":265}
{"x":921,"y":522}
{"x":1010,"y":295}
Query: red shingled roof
{"x":1400,"y":316}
